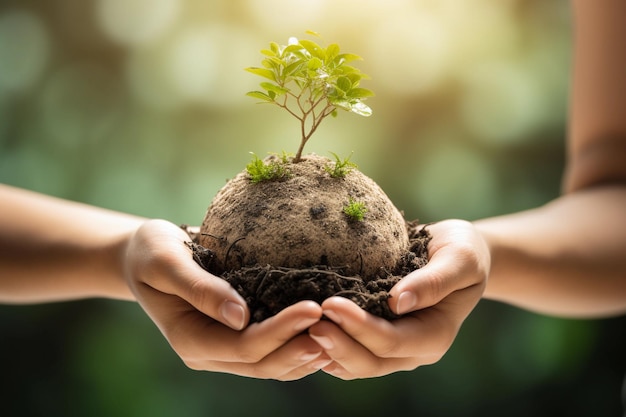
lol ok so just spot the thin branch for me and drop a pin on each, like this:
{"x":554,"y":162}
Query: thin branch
{"x":286,"y":107}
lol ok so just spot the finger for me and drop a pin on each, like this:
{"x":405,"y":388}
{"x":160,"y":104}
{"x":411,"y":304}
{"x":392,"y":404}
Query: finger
{"x":296,"y":359}
{"x":424,"y":335}
{"x":351,"y":359}
{"x":455,"y":263}
{"x":170,"y":268}
{"x":306,"y":369}
{"x":196,"y":337}
{"x":259,"y":339}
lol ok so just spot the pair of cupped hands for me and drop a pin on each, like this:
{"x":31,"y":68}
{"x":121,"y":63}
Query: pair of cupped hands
{"x":206,"y":321}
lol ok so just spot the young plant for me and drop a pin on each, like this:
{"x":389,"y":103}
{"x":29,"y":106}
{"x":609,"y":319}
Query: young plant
{"x":274,"y":170}
{"x":340,"y":168}
{"x":310,"y":82}
{"x":355,"y":210}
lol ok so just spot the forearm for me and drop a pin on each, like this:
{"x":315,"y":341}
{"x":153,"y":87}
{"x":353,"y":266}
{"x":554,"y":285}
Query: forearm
{"x":597,"y":122}
{"x":52,"y":249}
{"x":569,"y":257}
{"x":566,"y":258}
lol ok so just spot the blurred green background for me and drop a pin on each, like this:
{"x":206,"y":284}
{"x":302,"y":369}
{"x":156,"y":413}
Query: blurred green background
{"x":139,"y":106}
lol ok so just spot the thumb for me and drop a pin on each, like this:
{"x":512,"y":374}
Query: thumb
{"x":168,"y":266}
{"x":451,"y":268}
{"x":213,"y":296}
{"x":420,"y":289}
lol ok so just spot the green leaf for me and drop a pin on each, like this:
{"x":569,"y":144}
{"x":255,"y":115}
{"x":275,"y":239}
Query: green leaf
{"x":260,"y":95}
{"x":314,"y":63}
{"x":275,"y":48}
{"x":331,"y":52}
{"x":278,"y":90}
{"x":315,"y":76}
{"x":354,"y":77}
{"x":313,"y":33}
{"x":360,"y":93}
{"x":343,"y":58}
{"x":344,"y":83}
{"x":354,"y":106}
{"x":295,"y":50}
{"x":347,"y":69}
{"x":336,"y":95}
{"x":268,"y":64}
{"x":273,"y":62}
{"x":268,"y":52}
{"x":361,"y":109}
{"x":313,"y":48}
{"x":263,"y":72}
{"x":292,"y":68}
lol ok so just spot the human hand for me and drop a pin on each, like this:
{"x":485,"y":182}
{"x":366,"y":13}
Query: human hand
{"x":435,"y":299}
{"x":204,"y":319}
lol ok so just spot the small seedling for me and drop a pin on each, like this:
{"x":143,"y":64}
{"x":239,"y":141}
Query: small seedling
{"x":274,"y":170}
{"x":340,"y":168}
{"x":355,"y":210}
{"x":310,"y":82}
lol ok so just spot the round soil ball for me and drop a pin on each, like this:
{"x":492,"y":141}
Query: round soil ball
{"x":299,"y":222}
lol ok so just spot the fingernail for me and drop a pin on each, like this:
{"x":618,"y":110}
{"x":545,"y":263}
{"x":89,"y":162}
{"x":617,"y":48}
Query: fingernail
{"x":305,"y":324}
{"x":406,"y":302}
{"x":305,"y":357}
{"x":234,"y":314}
{"x":322,"y":363}
{"x":332,"y":316}
{"x":324,"y":342}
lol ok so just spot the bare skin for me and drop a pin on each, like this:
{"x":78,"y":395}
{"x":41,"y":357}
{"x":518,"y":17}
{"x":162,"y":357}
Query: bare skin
{"x":575,"y":267}
{"x":567,"y":258}
{"x":53,"y":250}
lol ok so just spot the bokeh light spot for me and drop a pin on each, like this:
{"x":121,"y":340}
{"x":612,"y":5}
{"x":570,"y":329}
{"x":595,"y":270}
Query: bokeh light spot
{"x":194,"y":62}
{"x":286,"y":16}
{"x":79,"y":104}
{"x":454,"y":181}
{"x":135,"y":22}
{"x":147,"y":78}
{"x":409,"y":52}
{"x":502,"y":103}
{"x":24,"y":50}
{"x":207,"y":64}
{"x":201,"y":64}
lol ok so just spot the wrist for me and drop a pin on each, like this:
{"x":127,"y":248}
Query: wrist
{"x":116,"y":258}
{"x":490,"y":238}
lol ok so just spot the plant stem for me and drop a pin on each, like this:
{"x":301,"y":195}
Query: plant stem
{"x":306,"y":109}
{"x":306,"y":136}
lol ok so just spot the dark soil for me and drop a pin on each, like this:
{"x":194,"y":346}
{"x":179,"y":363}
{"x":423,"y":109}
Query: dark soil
{"x":269,"y":289}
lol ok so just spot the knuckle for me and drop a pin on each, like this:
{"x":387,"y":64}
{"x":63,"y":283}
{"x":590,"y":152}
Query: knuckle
{"x":435,"y":286}
{"x":468,"y":255}
{"x":387,"y":348}
{"x":200,"y":292}
{"x":154,"y":265}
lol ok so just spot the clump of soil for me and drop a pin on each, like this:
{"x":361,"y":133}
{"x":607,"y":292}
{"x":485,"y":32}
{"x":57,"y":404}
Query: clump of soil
{"x":279,"y":242}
